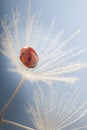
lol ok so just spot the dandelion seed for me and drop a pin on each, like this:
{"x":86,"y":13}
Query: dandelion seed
{"x":55,"y":109}
{"x":54,"y":62}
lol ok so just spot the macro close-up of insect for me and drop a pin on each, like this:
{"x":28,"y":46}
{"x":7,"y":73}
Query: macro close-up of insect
{"x":43,"y":67}
{"x":29,"y":57}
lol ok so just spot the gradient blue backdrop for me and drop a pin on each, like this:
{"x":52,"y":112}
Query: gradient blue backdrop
{"x":70,"y":15}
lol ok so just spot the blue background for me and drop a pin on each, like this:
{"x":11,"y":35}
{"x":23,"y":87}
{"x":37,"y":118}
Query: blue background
{"x":70,"y":15}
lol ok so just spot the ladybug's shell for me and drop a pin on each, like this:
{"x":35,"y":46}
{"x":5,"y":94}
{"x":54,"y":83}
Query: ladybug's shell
{"x":29,"y":57}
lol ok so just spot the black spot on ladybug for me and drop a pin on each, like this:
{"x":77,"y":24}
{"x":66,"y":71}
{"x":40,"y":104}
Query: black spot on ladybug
{"x":25,"y":63}
{"x":29,"y":58}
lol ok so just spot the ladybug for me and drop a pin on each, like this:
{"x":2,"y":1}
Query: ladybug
{"x":29,"y":57}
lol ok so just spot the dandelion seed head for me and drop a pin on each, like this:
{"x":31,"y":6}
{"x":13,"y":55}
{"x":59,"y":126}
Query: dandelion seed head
{"x":55,"y":108}
{"x":54,"y":63}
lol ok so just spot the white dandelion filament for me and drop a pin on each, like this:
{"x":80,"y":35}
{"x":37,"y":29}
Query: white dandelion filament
{"x":10,"y":99}
{"x":55,"y":111}
{"x":16,"y":124}
{"x":54,"y":61}
{"x":2,"y":113}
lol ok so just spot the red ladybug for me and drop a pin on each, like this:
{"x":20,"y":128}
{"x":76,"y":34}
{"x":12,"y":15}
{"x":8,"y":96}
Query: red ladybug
{"x":29,"y":57}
